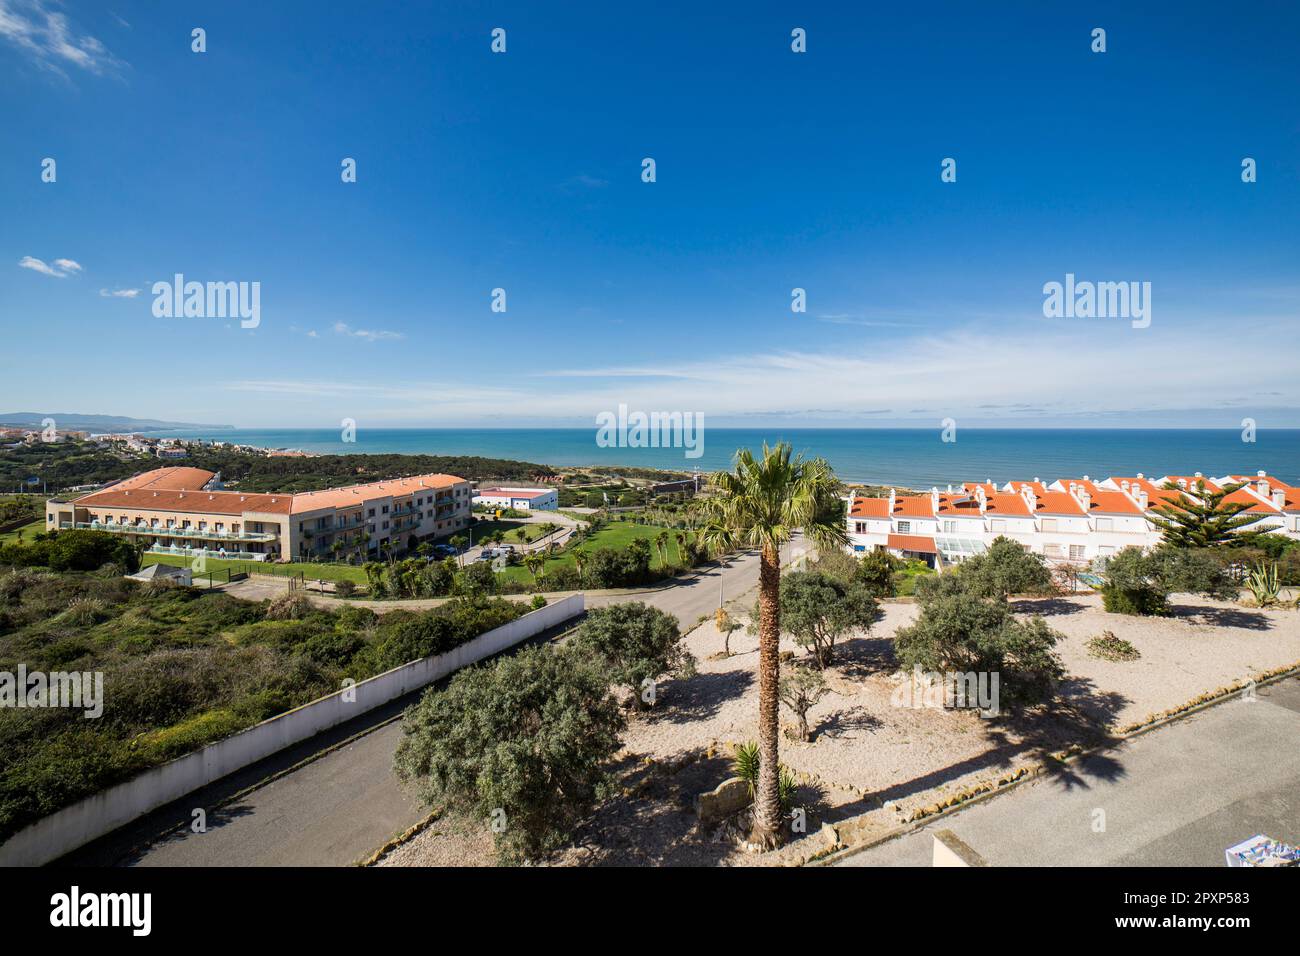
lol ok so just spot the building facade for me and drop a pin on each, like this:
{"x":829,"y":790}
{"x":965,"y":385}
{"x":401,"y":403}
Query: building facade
{"x":522,"y":499}
{"x":1069,"y":520}
{"x":184,"y":511}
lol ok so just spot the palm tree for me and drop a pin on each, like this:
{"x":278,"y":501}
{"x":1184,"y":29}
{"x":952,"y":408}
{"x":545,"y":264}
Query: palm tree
{"x":535,"y":562}
{"x":680,"y":538}
{"x":661,"y":545}
{"x":458,"y":541}
{"x":760,"y":504}
{"x":579,"y":561}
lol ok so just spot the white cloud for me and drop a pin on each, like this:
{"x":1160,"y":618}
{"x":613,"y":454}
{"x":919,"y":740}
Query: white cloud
{"x":60,"y":268}
{"x":370,"y":335}
{"x":47,"y":37}
{"x":119,"y":293}
{"x":1008,"y":373}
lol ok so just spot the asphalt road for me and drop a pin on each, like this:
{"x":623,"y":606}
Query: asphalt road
{"x":338,"y":808}
{"x":1177,"y":796}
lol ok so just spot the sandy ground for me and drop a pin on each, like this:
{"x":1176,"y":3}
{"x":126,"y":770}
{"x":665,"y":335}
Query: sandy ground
{"x":876,"y":761}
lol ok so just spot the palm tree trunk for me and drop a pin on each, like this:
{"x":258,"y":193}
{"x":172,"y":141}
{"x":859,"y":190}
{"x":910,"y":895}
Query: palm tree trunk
{"x":768,"y":831}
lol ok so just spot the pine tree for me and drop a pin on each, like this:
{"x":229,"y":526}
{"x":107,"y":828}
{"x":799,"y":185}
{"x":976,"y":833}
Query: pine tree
{"x":1205,"y":520}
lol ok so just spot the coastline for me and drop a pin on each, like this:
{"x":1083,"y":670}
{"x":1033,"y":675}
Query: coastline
{"x":905,"y":458}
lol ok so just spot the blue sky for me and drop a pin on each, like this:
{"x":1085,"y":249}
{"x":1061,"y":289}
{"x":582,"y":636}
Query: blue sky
{"x":775,"y":170}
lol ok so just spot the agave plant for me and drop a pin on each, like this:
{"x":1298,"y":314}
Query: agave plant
{"x":1264,"y":584}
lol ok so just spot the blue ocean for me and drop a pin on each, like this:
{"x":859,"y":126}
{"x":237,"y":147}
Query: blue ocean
{"x":916,"y":458}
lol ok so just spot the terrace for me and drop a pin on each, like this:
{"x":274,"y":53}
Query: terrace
{"x":174,"y":532}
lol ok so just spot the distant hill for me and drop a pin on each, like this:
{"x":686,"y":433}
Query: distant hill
{"x":96,"y":423}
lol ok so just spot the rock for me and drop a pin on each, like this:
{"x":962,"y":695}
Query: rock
{"x":722,"y":801}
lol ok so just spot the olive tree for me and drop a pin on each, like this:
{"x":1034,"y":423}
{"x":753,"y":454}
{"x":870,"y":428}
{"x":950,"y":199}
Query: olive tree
{"x":522,"y":744}
{"x":635,"y":644}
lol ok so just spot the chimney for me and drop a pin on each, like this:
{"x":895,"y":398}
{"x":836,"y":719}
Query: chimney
{"x":1261,"y":473}
{"x":1142,"y":499}
{"x":1262,"y":487}
{"x":1085,"y":500}
{"x":1031,"y":499}
{"x":1198,"y":475}
{"x":891,"y":501}
{"x":1142,"y":476}
{"x":1279,"y":499}
{"x":934,"y":500}
{"x":981,"y":498}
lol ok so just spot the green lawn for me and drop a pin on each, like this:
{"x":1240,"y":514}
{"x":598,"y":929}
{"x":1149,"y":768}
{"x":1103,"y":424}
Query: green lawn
{"x":312,"y":570}
{"x":616,"y":535}
{"x":509,"y":529}
{"x":28,"y":531}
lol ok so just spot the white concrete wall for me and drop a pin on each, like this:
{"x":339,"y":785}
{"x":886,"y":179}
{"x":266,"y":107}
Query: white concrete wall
{"x":65,"y":830}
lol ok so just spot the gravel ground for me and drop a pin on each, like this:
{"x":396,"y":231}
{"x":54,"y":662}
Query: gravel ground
{"x":873,"y":760}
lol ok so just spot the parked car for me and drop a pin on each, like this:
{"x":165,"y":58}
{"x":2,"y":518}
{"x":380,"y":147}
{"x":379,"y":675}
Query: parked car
{"x":444,"y":551}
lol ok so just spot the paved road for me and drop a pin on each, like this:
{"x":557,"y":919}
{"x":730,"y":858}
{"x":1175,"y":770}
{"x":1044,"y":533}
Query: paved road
{"x":1178,"y":796}
{"x":339,"y":808}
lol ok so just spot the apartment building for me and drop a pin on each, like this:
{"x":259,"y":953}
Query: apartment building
{"x":1069,"y":520}
{"x":184,"y":511}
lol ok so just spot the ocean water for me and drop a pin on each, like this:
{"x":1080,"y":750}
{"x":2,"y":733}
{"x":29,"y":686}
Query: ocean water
{"x":909,"y":457}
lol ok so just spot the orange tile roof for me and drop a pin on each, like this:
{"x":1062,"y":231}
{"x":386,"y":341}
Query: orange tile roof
{"x":360,"y":494}
{"x":190,"y":502}
{"x":869,"y":508}
{"x":178,"y":489}
{"x":177,"y":478}
{"x":912,"y":542}
{"x":1272,"y":482}
{"x":1058,"y":503}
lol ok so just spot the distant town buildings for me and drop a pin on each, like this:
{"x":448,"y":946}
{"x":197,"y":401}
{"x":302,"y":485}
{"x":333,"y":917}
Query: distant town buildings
{"x":1066,"y":521}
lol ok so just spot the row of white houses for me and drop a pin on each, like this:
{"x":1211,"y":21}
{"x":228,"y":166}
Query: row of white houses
{"x":1074,"y":520}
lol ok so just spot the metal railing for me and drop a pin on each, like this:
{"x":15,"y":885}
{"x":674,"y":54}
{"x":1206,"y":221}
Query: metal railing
{"x":174,"y":532}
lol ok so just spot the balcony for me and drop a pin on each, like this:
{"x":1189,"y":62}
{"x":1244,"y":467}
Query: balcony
{"x":222,"y":554}
{"x":207,"y":535}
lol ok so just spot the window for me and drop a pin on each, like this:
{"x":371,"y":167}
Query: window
{"x":860,"y":527}
{"x":950,"y":527}
{"x":385,"y":512}
{"x":1105,"y":550}
{"x":997,"y":524}
{"x":904,"y":527}
{"x":372,"y":513}
{"x":1049,"y":524}
{"x":1076,"y":552}
{"x":1052,"y":550}
{"x":1105,"y":524}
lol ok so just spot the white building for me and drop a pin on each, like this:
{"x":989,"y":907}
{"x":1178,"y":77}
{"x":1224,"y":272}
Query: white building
{"x":521,"y":499}
{"x":1067,"y":521}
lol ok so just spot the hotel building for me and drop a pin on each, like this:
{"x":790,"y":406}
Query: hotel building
{"x":1070,"y":520}
{"x":183,"y":511}
{"x":521,"y":499}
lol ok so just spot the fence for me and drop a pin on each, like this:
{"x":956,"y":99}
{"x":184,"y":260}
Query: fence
{"x":65,"y":830}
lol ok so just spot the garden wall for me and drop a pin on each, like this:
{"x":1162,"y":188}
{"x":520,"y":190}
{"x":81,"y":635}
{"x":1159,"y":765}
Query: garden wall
{"x":74,"y":826}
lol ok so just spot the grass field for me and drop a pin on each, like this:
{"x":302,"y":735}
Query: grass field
{"x":328,"y":572}
{"x":616,"y":535}
{"x":28,"y":530}
{"x":509,"y":529}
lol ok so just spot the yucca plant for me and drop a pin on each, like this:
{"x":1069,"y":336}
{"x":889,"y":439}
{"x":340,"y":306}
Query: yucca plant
{"x":1264,"y":584}
{"x":745,"y":763}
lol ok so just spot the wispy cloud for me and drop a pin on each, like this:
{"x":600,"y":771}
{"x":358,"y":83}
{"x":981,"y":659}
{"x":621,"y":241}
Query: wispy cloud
{"x":119,"y":293}
{"x":59,"y":268}
{"x":1125,"y":375}
{"x":370,"y":335}
{"x":47,"y":37}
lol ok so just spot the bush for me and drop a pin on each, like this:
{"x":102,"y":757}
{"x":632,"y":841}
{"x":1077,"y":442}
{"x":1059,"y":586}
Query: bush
{"x":1108,"y":647}
{"x":1140,"y":582}
{"x":524,"y":741}
{"x":73,"y":550}
{"x":538,"y":602}
{"x":345,"y":588}
{"x":1006,"y":568}
{"x":960,"y":632}
{"x":634,"y":644}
